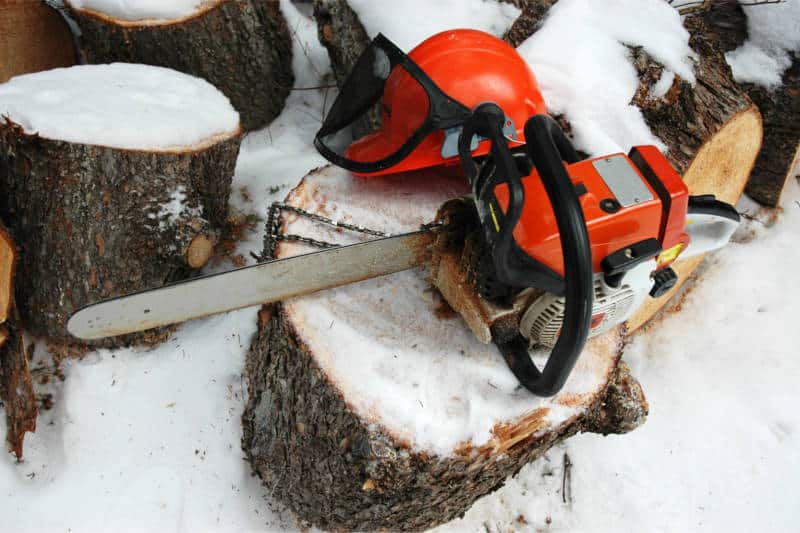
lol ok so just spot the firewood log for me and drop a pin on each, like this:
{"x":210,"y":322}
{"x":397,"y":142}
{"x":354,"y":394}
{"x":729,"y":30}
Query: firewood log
{"x":109,"y":192}
{"x":243,"y":47}
{"x":16,"y":388}
{"x":371,"y":406}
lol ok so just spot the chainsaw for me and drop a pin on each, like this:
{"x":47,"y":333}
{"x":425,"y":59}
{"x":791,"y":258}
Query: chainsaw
{"x":547,"y":251}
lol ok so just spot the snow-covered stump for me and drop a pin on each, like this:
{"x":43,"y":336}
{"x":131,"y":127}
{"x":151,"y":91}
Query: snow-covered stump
{"x":243,"y":47}
{"x":374,"y":406}
{"x":115,"y":178}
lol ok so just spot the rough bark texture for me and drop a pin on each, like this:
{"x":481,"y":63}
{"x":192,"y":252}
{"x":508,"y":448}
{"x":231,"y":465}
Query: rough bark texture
{"x":33,"y":37}
{"x":243,"y":47}
{"x":16,"y":389}
{"x":338,"y":469}
{"x":779,"y":154}
{"x":341,"y":33}
{"x":712,"y":131}
{"x":337,"y":472}
{"x":533,"y":13}
{"x":344,"y":37}
{"x":91,"y":221}
{"x":780,"y":107}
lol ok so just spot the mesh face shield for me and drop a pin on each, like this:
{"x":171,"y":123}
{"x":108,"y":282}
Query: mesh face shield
{"x":412,"y":107}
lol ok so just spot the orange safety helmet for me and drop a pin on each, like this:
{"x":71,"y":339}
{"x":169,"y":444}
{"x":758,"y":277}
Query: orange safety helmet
{"x":426,"y":97}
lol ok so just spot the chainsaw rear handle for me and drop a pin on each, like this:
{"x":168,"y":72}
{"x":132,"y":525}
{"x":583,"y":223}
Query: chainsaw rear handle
{"x":547,"y":147}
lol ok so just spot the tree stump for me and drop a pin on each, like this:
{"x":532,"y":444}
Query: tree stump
{"x":110,"y":191}
{"x":16,"y":388}
{"x":243,"y":47}
{"x":373,"y":406}
{"x":712,"y":131}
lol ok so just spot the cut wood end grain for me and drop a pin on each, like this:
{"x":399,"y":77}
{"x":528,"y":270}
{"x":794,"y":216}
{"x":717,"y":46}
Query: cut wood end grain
{"x":8,"y":257}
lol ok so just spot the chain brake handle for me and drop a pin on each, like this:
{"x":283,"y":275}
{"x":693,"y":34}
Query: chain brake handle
{"x":547,"y":147}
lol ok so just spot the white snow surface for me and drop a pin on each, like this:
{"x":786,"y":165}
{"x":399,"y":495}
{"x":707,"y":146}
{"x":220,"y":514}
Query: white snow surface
{"x":583,"y":66}
{"x":409,"y":22}
{"x":773,"y":31}
{"x":149,"y":439}
{"x":149,"y":10}
{"x":121,"y":105}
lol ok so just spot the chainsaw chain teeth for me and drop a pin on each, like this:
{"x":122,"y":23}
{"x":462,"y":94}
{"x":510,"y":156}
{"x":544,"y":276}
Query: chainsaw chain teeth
{"x":477,"y":265}
{"x":273,"y":235}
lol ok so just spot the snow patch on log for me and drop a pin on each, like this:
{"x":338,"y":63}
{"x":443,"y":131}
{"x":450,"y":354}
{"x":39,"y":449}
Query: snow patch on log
{"x":410,"y":22}
{"x":385,"y":343}
{"x":773,"y":32}
{"x":146,"y":11}
{"x":170,"y":212}
{"x":121,"y":105}
{"x":581,"y":59}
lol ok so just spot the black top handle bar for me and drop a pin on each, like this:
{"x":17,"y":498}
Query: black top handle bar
{"x":548,"y":148}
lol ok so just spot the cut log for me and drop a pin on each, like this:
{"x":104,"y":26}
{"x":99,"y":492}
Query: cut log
{"x":371,"y":406}
{"x":712,"y":131}
{"x":16,"y":389}
{"x":33,"y":37}
{"x":243,"y":47}
{"x":780,"y":107}
{"x":109,"y":192}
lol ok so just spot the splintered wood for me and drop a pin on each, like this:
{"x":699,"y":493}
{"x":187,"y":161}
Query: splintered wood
{"x":16,"y":389}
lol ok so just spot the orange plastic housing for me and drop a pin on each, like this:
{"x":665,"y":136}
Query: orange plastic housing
{"x":662,"y":218}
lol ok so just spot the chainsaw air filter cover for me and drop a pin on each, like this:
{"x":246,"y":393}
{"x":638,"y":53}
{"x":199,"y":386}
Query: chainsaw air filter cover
{"x":541,"y":322}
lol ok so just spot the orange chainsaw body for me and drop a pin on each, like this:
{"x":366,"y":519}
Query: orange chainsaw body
{"x":611,"y":226}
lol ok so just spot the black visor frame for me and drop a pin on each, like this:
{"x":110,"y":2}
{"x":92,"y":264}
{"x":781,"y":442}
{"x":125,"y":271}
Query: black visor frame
{"x":443,"y":111}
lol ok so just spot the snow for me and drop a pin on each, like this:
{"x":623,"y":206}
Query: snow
{"x":171,"y":211}
{"x":145,"y":10}
{"x":583,"y":66}
{"x":135,"y":107}
{"x":409,"y":22}
{"x":719,"y":451}
{"x":773,"y":32}
{"x":427,"y":380}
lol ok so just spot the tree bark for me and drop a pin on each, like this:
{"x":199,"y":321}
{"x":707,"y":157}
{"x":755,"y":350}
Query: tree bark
{"x":95,"y":222}
{"x":16,"y":388}
{"x":242,"y":47}
{"x":339,"y":466}
{"x":712,"y":131}
{"x":341,"y":33}
{"x":532,"y":16}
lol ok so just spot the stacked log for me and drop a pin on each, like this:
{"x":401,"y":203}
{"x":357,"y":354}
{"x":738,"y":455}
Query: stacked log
{"x":242,"y":47}
{"x":125,"y":190}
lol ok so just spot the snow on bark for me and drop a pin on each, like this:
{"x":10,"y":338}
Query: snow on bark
{"x":95,"y":221}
